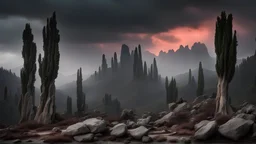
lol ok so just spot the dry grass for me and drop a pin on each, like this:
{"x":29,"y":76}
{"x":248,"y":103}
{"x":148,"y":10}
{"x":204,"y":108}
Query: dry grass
{"x":57,"y":139}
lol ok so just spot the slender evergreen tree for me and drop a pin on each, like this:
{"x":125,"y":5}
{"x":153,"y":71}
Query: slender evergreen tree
{"x":27,"y":75}
{"x":200,"y":85}
{"x":104,"y":65}
{"x":135,"y":64}
{"x":189,"y":77}
{"x":112,"y":65}
{"x":155,"y":70}
{"x":145,"y":72}
{"x":226,"y":51}
{"x":48,"y":72}
{"x":115,"y":62}
{"x":167,"y":90}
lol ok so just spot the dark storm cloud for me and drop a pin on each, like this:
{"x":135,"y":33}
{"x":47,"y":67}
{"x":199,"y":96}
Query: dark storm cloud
{"x":107,"y":21}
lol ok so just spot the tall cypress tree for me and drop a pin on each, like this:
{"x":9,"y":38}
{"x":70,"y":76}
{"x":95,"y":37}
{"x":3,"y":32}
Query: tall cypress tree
{"x":189,"y":77}
{"x":112,"y":65}
{"x":200,"y":85}
{"x":80,"y":94}
{"x":140,"y":64}
{"x":135,"y":64}
{"x":167,"y":90}
{"x":225,"y":48}
{"x":155,"y":70}
{"x":145,"y":72}
{"x":104,"y":65}
{"x":27,"y":75}
{"x":115,"y":62}
{"x":48,"y":72}
{"x":100,"y":72}
{"x":151,"y":72}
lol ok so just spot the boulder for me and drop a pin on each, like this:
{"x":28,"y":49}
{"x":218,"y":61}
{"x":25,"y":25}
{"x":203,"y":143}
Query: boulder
{"x":130,"y":124}
{"x":56,"y":129}
{"x":143,"y":122}
{"x":199,"y":99}
{"x":181,"y":107}
{"x":201,"y":124}
{"x":246,"y":116}
{"x":193,"y":112}
{"x":84,"y":138}
{"x":95,"y":125}
{"x":76,"y":129}
{"x":146,"y":139}
{"x":206,"y":131}
{"x":127,"y":114}
{"x":119,"y":130}
{"x":164,"y":119}
{"x":115,"y":123}
{"x":161,"y":114}
{"x":235,"y":128}
{"x":139,"y":132}
{"x":248,"y":108}
{"x":172,"y":106}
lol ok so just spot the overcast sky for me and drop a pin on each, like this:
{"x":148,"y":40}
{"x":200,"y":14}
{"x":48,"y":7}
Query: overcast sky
{"x":89,"y":28}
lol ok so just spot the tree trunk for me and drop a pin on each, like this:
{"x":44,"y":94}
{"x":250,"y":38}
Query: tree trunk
{"x":46,"y":111}
{"x":222,"y":104}
{"x":26,"y":107}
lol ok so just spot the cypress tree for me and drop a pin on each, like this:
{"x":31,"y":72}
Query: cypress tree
{"x":140,"y":64}
{"x":104,"y":65}
{"x":167,"y":90}
{"x":48,"y":72}
{"x":100,"y":72}
{"x":155,"y":70}
{"x":145,"y":73}
{"x":112,"y":65}
{"x":189,"y":77}
{"x":200,"y":85}
{"x":81,"y":105}
{"x":27,"y":75}
{"x":125,"y":55}
{"x":115,"y":62}
{"x":225,"y":48}
{"x":135,"y":64}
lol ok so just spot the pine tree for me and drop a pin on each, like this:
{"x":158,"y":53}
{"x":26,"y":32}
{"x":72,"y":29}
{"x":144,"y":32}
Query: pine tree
{"x":151,"y":72}
{"x":27,"y":75}
{"x":145,"y":72}
{"x":225,"y":48}
{"x":200,"y":85}
{"x":48,"y":72}
{"x":171,"y":91}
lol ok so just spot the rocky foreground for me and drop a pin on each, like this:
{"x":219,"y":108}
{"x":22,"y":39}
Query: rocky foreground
{"x":184,"y":122}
